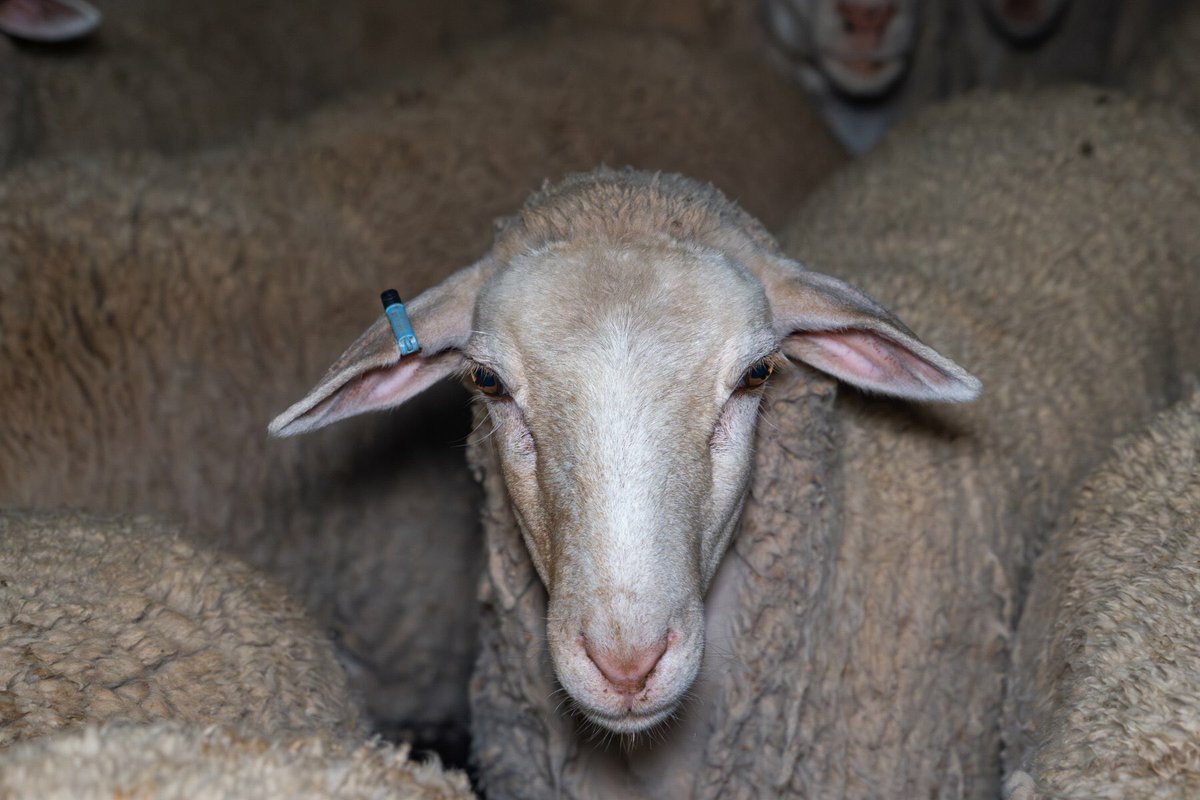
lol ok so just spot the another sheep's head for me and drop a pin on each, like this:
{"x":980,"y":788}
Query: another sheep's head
{"x":862,"y":47}
{"x":622,"y":375}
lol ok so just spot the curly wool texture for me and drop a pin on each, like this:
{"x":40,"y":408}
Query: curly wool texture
{"x":1049,"y":241}
{"x":170,"y":75}
{"x":173,"y":762}
{"x":858,"y":632}
{"x":106,"y":618}
{"x":158,"y":314}
{"x":1103,"y":698}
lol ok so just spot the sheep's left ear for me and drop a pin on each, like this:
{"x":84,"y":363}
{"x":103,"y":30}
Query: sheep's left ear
{"x":830,"y":325}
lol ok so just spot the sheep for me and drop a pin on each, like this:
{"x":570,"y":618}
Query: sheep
{"x":1102,"y":696}
{"x":1006,"y":43}
{"x":858,"y":629}
{"x":167,"y":761}
{"x":627,"y":559}
{"x":869,"y":63}
{"x":172,"y":76}
{"x":110,"y":617}
{"x":156,"y":311}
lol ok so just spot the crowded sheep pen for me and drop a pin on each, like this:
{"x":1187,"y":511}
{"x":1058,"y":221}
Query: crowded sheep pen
{"x":783,"y":399}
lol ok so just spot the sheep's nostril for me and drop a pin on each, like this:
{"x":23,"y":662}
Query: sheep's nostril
{"x":856,"y":16}
{"x":871,"y":21}
{"x":627,"y":668}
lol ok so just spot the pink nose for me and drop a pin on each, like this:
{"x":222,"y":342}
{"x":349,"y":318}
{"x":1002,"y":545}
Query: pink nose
{"x":865,"y":19}
{"x":629,"y":669}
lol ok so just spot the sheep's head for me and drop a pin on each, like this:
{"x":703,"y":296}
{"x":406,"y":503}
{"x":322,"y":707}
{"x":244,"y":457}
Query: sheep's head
{"x":622,"y":371}
{"x":861,"y":46}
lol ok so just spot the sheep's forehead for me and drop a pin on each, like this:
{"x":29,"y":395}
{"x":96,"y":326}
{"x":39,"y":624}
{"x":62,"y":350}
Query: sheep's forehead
{"x":599,"y":311}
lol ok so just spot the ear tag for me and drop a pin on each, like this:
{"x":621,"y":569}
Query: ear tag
{"x":406,"y":339}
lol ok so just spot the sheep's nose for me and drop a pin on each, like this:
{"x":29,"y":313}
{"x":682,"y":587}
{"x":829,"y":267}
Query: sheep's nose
{"x":629,"y":668}
{"x":866,"y":19}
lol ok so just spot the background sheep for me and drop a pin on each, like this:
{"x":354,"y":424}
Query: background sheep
{"x":173,"y":762}
{"x":170,"y":76}
{"x":869,"y":63}
{"x":157,"y":313}
{"x":1001,"y":43}
{"x":122,"y":618}
{"x":859,"y":627}
{"x":1102,"y":698}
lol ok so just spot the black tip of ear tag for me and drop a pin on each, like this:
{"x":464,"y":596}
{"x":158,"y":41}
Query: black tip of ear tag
{"x":389,"y":298}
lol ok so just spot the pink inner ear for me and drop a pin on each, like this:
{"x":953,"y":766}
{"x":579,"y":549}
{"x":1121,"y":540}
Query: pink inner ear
{"x":391,"y":386}
{"x":387,"y":387}
{"x":869,"y":360}
{"x":375,"y":389}
{"x":876,"y":357}
{"x":853,"y":353}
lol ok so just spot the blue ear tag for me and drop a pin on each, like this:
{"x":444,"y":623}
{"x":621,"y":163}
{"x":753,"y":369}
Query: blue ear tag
{"x":406,"y":340}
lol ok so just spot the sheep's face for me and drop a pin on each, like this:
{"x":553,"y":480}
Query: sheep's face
{"x":622,"y":385}
{"x":622,"y":377}
{"x":861,"y":46}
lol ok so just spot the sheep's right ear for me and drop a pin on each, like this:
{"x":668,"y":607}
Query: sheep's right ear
{"x":371,"y":374}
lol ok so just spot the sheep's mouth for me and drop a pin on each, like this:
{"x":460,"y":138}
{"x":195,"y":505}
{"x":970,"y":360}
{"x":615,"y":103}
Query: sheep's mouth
{"x":629,"y":722}
{"x":864,"y":66}
{"x":862,"y":77}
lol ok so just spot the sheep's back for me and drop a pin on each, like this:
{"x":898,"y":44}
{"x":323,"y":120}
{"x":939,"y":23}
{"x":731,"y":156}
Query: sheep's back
{"x":170,"y":76}
{"x":1102,"y":698}
{"x":169,"y":761}
{"x":1046,"y":242}
{"x":121,"y":618}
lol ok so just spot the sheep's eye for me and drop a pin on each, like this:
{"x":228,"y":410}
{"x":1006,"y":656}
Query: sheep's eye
{"x":757,"y":375}
{"x":488,"y":382}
